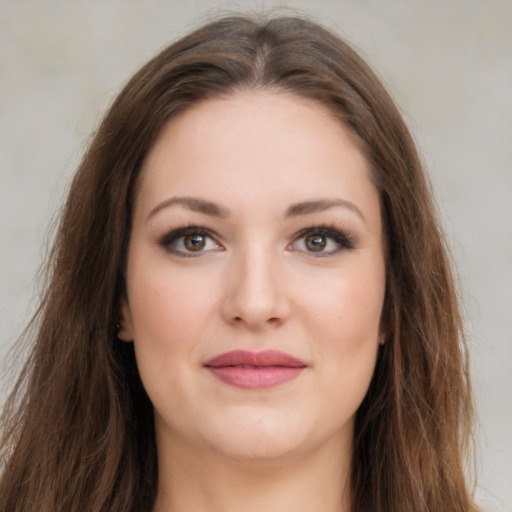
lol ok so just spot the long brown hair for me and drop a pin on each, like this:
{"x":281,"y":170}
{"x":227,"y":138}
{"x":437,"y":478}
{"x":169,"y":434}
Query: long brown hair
{"x":78,"y":430}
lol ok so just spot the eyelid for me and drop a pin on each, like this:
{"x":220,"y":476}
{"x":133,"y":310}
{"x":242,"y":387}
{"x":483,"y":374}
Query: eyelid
{"x":340,"y":237}
{"x":343,"y":239}
{"x":173,"y":235}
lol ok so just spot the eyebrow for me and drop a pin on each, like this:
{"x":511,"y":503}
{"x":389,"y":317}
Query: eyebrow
{"x":321,"y":205}
{"x":214,"y":210}
{"x":192,"y":203}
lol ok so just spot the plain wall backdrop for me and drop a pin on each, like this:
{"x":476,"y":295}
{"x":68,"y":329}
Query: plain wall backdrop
{"x":448,"y":64}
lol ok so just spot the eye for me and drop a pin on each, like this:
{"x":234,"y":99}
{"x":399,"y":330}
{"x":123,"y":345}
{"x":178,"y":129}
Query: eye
{"x":189,"y":242}
{"x":322,"y":241}
{"x":316,"y":243}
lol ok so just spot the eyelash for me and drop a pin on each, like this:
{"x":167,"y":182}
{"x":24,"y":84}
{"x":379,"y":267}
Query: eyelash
{"x":175,"y":234}
{"x":343,"y":240}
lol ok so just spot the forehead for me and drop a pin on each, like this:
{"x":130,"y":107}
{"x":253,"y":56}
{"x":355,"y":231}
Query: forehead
{"x":255,"y":144}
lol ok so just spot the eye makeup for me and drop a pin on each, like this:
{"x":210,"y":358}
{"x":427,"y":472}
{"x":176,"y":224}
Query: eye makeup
{"x":190,"y":241}
{"x":321,"y":240}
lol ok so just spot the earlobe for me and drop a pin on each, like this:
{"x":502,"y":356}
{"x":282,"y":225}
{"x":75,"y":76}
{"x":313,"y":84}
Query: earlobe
{"x":123,"y":334}
{"x":125,"y":326}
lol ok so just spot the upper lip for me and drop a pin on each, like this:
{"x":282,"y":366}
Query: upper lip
{"x":255,"y":359}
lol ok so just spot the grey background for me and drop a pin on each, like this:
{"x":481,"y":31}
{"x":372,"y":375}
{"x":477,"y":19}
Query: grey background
{"x":448,"y":64}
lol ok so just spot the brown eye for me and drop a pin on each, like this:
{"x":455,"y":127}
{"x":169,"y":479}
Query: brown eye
{"x":321,"y":241}
{"x":316,"y":242}
{"x":190,"y":242}
{"x":194,"y":242}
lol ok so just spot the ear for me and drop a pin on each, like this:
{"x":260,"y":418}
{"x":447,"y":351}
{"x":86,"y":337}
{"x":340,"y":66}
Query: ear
{"x":382,"y":335}
{"x":125,"y":330}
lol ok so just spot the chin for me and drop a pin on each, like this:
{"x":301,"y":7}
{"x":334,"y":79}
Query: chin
{"x":266,"y":439}
{"x":258,"y":448}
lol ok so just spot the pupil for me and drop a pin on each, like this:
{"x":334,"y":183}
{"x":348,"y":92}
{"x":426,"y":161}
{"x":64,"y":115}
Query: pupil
{"x":194,"y":242}
{"x":316,"y":243}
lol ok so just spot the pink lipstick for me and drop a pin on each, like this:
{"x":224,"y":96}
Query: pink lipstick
{"x":255,"y":370}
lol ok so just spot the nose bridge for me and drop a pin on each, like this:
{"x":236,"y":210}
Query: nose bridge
{"x":255,"y":296}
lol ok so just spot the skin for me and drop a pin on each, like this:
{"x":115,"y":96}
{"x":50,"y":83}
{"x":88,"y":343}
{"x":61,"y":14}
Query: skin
{"x":256,"y":284}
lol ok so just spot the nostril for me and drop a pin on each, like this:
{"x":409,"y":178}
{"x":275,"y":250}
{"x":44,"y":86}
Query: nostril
{"x":274,"y":321}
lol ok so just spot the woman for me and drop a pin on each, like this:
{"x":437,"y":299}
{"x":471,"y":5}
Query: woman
{"x":249,"y":302}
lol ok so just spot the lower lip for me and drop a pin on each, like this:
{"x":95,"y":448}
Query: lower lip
{"x":263,"y":377}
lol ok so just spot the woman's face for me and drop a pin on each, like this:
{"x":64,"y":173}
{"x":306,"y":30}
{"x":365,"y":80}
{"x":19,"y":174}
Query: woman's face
{"x":255,"y":278}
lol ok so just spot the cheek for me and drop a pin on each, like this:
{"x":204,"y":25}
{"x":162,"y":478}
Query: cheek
{"x":168,"y":304}
{"x":344,"y":314}
{"x":347,"y":308}
{"x":168,"y":311}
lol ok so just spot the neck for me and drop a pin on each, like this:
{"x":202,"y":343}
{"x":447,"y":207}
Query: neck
{"x":190,"y":482}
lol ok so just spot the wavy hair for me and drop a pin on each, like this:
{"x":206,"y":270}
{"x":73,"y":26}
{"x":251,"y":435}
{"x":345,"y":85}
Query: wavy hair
{"x":78,"y":428}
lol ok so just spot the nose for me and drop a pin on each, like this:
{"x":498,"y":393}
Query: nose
{"x":255,"y":291}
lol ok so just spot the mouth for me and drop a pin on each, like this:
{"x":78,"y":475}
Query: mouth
{"x":255,"y":370}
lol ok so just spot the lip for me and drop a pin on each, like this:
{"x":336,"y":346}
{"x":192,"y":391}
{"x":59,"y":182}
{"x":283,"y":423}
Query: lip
{"x":255,"y":370}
